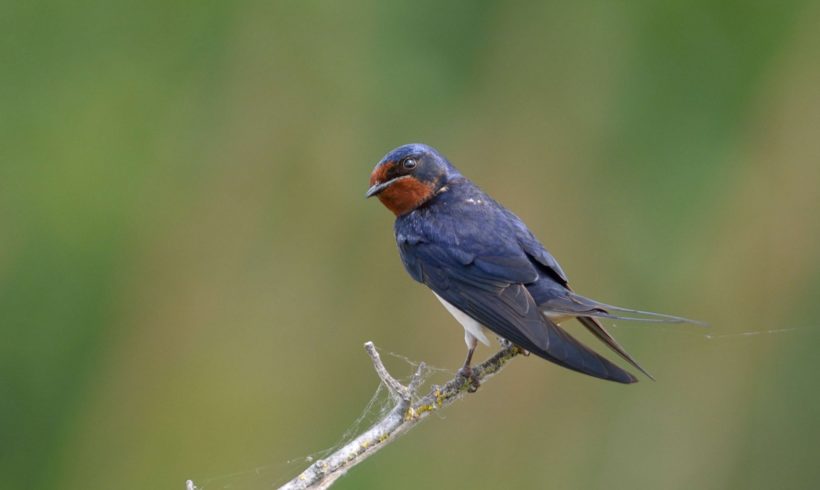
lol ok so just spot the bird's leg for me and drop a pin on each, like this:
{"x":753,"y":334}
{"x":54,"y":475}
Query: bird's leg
{"x":466,"y":371}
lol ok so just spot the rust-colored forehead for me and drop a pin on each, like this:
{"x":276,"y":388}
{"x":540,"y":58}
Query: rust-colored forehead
{"x":380,"y":172}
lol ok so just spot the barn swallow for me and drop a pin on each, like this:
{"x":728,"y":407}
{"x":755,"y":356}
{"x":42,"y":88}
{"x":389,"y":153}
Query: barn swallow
{"x":487,"y":268}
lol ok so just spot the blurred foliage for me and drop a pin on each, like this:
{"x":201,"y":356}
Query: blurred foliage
{"x":188,"y":268}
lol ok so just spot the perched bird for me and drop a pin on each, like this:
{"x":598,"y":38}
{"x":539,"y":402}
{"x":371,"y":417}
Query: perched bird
{"x":488,"y":269}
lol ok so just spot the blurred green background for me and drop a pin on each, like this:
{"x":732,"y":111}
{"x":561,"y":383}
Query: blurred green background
{"x":188,"y":268}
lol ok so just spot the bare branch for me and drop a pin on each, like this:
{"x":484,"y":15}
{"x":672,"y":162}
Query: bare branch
{"x":404,"y":416}
{"x":399,"y":392}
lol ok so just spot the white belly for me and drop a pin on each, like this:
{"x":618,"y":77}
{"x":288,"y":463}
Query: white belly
{"x":471,"y":327}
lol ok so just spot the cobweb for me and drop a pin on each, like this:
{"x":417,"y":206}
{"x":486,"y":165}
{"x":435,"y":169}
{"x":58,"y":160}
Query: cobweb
{"x":273,"y":475}
{"x":276,"y":474}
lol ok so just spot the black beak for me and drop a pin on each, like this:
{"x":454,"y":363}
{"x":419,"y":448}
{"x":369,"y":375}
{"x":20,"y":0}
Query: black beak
{"x":375,"y":189}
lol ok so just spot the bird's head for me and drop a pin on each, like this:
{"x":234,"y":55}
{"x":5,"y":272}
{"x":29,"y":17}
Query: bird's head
{"x":409,"y":176}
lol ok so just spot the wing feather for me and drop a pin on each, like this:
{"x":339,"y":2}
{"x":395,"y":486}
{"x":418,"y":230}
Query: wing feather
{"x":506,"y":307}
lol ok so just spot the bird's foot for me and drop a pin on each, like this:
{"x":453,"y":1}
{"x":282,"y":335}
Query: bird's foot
{"x":507,"y":344}
{"x":470,"y":377}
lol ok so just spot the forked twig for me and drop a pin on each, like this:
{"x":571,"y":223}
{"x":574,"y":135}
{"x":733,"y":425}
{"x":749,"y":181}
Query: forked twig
{"x":402,"y":417}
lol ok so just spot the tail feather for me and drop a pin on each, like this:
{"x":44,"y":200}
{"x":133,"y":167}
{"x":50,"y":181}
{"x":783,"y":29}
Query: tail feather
{"x":595,"y":327}
{"x":653,"y":317}
{"x":577,"y":305}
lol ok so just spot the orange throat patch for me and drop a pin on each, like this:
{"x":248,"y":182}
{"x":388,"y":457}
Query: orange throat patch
{"x":405,"y":195}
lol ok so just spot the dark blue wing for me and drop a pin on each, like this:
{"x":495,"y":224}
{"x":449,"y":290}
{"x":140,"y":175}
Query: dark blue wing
{"x":552,"y":293}
{"x":532,"y":247}
{"x":483,"y":271}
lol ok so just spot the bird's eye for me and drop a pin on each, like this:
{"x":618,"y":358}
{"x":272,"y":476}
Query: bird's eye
{"x":409,"y":163}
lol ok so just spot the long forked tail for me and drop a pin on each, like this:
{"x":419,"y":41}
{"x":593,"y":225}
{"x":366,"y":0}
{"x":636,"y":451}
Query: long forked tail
{"x":587,"y":311}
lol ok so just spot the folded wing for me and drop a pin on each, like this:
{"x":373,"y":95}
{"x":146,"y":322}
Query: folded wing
{"x":491,"y":290}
